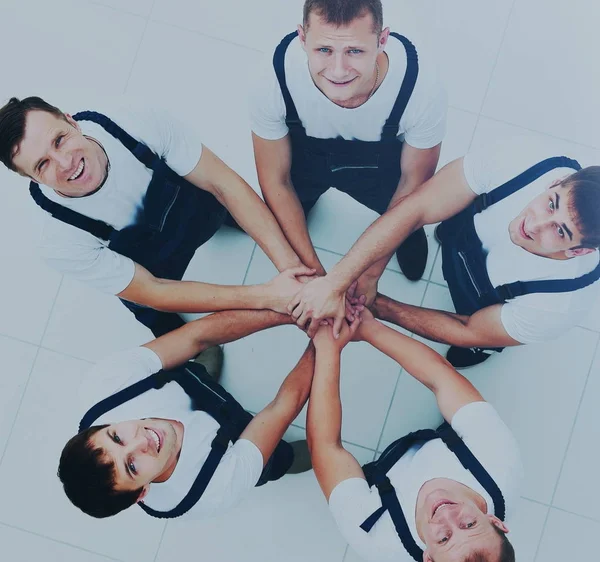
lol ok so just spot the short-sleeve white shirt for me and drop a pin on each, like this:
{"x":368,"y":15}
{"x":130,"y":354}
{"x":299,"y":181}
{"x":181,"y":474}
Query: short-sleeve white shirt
{"x":239,"y":469}
{"x":422,"y":125}
{"x":488,"y":438}
{"x":535,"y":317}
{"x":120,"y":200}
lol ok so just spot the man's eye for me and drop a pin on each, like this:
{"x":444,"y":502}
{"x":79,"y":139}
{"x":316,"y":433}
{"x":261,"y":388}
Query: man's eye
{"x":131,"y":467}
{"x":116,"y":439}
{"x":470,"y":525}
{"x":444,"y":540}
{"x":551,"y":205}
{"x":324,"y":50}
{"x":58,"y":140}
{"x":355,"y":51}
{"x":560,"y":231}
{"x":41,"y":166}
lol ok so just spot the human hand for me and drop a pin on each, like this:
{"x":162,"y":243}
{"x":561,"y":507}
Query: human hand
{"x":284,"y":286}
{"x":366,"y":285}
{"x":317,"y":301}
{"x":324,"y":338}
{"x":367,"y":319}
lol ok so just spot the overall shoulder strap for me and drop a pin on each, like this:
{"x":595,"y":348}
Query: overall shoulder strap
{"x":519,"y":288}
{"x":392,"y":125}
{"x":96,"y":228}
{"x":157,"y":380}
{"x":218,"y":448}
{"x":470,"y":463}
{"x":485,"y":200}
{"x":376,"y":474}
{"x":291,"y":114}
{"x":137,"y":148}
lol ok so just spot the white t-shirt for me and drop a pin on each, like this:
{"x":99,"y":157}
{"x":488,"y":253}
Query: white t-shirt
{"x":539,"y":316}
{"x":239,"y":469}
{"x":488,"y":438}
{"x":118,"y":203}
{"x":422,"y":125}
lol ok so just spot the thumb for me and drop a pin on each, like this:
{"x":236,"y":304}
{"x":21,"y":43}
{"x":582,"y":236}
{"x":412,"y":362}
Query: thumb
{"x":337,"y":325}
{"x":301,"y":270}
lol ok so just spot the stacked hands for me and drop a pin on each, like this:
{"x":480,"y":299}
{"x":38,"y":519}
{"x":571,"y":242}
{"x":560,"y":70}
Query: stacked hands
{"x":314,"y":301}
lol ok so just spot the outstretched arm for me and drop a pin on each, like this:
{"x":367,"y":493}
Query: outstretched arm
{"x":444,"y":195}
{"x":482,"y":329}
{"x":452,"y":390}
{"x":331,"y":462}
{"x":194,"y":296}
{"x":268,"y":426}
{"x":186,"y":342}
{"x":247,"y":208}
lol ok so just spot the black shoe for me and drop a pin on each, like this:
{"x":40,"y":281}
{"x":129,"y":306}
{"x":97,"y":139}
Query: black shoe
{"x":412,"y":255}
{"x":302,"y":461}
{"x":461,"y":357}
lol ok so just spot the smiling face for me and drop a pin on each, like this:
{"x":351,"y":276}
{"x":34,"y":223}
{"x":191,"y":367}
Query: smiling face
{"x":341,"y":60}
{"x":452,"y":521}
{"x":547,"y":226}
{"x":142,"y":451}
{"x":55,"y":152}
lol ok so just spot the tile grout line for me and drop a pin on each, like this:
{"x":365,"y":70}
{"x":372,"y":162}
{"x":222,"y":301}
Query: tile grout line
{"x":585,"y":385}
{"x":249,"y":263}
{"x":487,"y":89}
{"x":137,"y":51}
{"x":57,"y":541}
{"x":120,"y":10}
{"x":566,"y":452}
{"x":33,"y":364}
{"x":387,"y":415}
{"x":345,"y":553}
{"x":162,"y":536}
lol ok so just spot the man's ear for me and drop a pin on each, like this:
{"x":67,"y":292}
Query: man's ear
{"x":498,"y":523}
{"x":383,"y":39}
{"x":426,"y":557}
{"x":572,"y":252}
{"x":302,"y":36}
{"x":72,"y":122}
{"x":144,"y":493}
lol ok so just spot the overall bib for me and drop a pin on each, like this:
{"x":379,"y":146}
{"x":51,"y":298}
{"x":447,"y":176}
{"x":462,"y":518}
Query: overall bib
{"x":209,"y":396}
{"x":376,"y":475}
{"x":368,"y":171}
{"x":177,"y":218}
{"x":464,"y":259}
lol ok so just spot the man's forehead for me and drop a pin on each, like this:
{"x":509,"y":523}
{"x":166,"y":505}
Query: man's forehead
{"x":359,"y":28}
{"x":40,"y":127}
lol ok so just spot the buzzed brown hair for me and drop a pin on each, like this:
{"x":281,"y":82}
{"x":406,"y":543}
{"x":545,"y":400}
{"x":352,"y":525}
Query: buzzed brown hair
{"x":342,"y":12}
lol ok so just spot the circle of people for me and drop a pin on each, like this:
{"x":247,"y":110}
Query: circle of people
{"x":344,"y":102}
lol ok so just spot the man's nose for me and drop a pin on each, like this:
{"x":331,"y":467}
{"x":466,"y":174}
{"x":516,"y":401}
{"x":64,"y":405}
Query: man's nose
{"x":62,"y":159}
{"x":339,"y":66}
{"x":139,"y":443}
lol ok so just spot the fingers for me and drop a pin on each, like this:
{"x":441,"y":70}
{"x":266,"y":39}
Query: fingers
{"x":302,"y":319}
{"x":294,"y":304}
{"x":314,"y":326}
{"x":354,"y":325}
{"x":337,"y":325}
{"x":301,"y":270}
{"x":352,"y":289}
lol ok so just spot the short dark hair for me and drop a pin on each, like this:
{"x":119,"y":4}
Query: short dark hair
{"x":507,"y":552}
{"x":342,"y":12}
{"x":585,"y":204}
{"x":88,"y":479}
{"x":12,"y":124}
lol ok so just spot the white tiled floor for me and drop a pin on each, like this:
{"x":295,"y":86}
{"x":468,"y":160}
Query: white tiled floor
{"x":512,"y":67}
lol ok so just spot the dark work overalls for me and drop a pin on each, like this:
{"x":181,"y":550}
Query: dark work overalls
{"x":376,"y":475}
{"x":177,"y":218}
{"x":368,"y":171}
{"x":211,"y":397}
{"x":464,"y":259}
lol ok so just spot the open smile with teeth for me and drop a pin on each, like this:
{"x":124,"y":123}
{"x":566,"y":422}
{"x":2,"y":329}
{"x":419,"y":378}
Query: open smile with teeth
{"x":155,"y":438}
{"x":78,"y":171}
{"x":440,"y":506}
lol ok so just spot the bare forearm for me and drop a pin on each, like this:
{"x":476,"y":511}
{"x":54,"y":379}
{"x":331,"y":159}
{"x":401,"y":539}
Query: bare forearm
{"x":416,"y":358}
{"x":436,"y":325}
{"x":286,"y":207}
{"x":186,"y":342}
{"x":253,"y":215}
{"x":324,"y":419}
